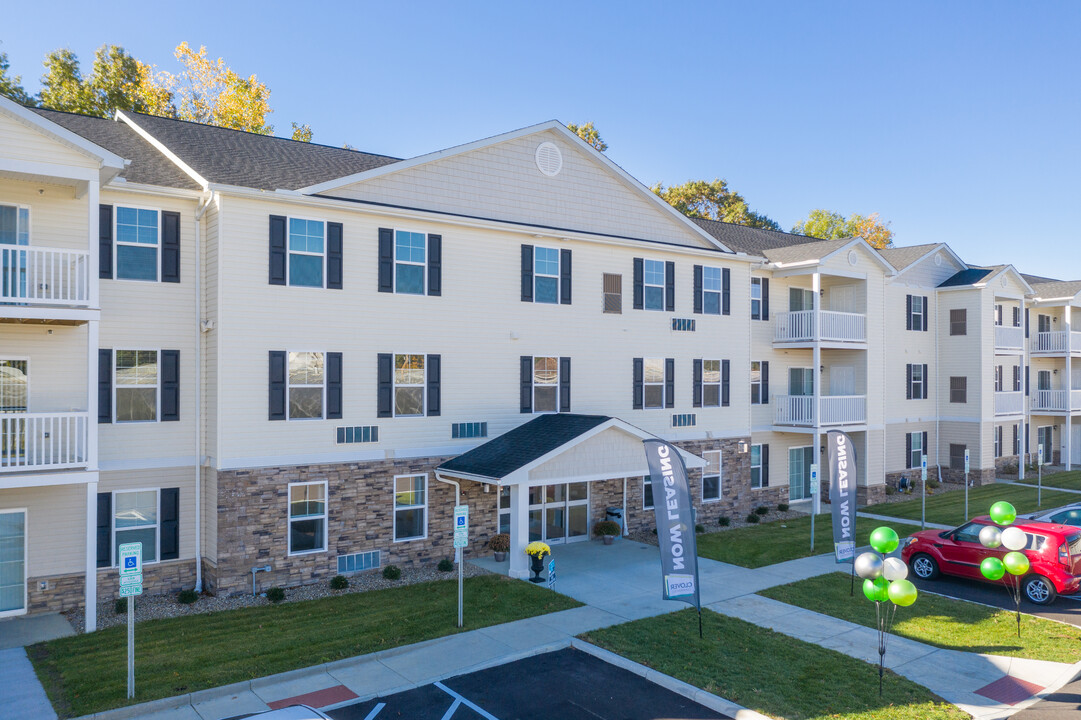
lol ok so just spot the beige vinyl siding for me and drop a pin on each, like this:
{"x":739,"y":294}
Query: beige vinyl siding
{"x":900,"y":347}
{"x":57,"y":218}
{"x":926,"y":274}
{"x":57,"y":358}
{"x":963,"y":433}
{"x":964,"y":355}
{"x":894,"y":444}
{"x":179,"y":477}
{"x":21,"y":142}
{"x":55,"y":527}
{"x":210,"y":256}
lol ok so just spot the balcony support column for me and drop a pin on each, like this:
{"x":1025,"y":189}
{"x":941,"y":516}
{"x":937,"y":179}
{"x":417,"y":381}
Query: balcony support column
{"x":91,"y":601}
{"x":816,"y":376}
{"x":1067,"y":313}
{"x":92,"y":199}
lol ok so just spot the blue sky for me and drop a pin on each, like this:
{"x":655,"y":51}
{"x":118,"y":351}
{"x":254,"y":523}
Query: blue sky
{"x":958,"y":122}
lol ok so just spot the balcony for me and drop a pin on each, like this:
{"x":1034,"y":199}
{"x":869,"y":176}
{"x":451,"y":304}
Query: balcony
{"x":1055,"y":401}
{"x":835,"y":327}
{"x":1054,"y":343}
{"x":44,"y":276}
{"x":834,"y":410}
{"x":32,"y":442}
{"x":1009,"y":403}
{"x":1010,"y":339}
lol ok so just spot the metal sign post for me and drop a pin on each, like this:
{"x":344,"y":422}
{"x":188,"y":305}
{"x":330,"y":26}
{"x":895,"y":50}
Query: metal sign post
{"x":1039,"y":472}
{"x":814,"y":497}
{"x":966,"y":484}
{"x":131,"y":585}
{"x":461,"y":539}
{"x":923,"y":495}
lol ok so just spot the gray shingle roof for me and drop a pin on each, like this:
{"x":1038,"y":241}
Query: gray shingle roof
{"x":1057,"y":288}
{"x":967,"y":277}
{"x":148,"y":165}
{"x":808,"y":251}
{"x":501,"y":456}
{"x":902,"y":257}
{"x":752,"y":241}
{"x":1038,"y":279}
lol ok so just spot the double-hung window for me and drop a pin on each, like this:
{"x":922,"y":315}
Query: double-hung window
{"x":136,"y":385}
{"x":135,"y":519}
{"x":917,"y":314}
{"x":545,"y":275}
{"x":711,"y":476}
{"x":916,"y":450}
{"x":410,"y":256}
{"x":711,"y":290}
{"x":759,"y":388}
{"x":998,"y":378}
{"x":307,"y":517}
{"x":13,"y":387}
{"x":137,"y":243}
{"x":917,"y":382}
{"x":410,"y":507}
{"x":307,"y":251}
{"x":306,"y":385}
{"x":408,"y":385}
{"x":998,"y":314}
{"x":653,"y":274}
{"x":756,"y":298}
{"x":653,"y":380}
{"x":756,"y":466}
{"x":647,"y":493}
{"x":998,"y":441}
{"x":545,"y":384}
{"x":711,"y":383}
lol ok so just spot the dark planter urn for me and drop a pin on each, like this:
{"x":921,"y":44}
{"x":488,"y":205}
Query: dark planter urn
{"x":608,"y":539}
{"x":500,"y":556}
{"x":537,"y":566}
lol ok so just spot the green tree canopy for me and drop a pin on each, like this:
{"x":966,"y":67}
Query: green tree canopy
{"x":302,"y":133}
{"x":589,"y":133}
{"x":833,"y":226}
{"x":713,"y":201}
{"x":11,"y":86}
{"x":117,"y":81}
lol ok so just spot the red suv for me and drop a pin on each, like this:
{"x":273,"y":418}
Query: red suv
{"x":1054,"y":552}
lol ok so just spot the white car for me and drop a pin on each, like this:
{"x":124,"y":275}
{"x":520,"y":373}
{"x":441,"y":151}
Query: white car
{"x":1067,"y":515}
{"x":293,"y":712}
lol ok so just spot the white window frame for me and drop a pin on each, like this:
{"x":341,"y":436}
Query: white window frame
{"x":756,"y":283}
{"x":556,"y":385}
{"x":719,"y":384}
{"x":646,"y":284}
{"x":395,"y":508}
{"x":998,"y":379}
{"x":25,"y":359}
{"x":325,"y":517}
{"x":647,"y":480}
{"x":117,"y":243}
{"x":719,"y":476}
{"x":921,"y":313}
{"x":26,"y":560}
{"x":646,"y":384}
{"x":538,"y":274}
{"x":760,"y":467}
{"x":424,"y":265}
{"x":915,"y":386}
{"x":114,"y":548}
{"x":719,"y":291}
{"x":998,"y":315}
{"x":289,"y":387}
{"x":998,"y":440}
{"x":289,"y":253}
{"x":916,"y":438}
{"x":394,"y":384}
{"x":757,"y":385}
{"x":157,"y":387}
{"x":29,"y":224}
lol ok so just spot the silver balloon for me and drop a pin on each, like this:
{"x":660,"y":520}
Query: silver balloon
{"x":990,"y":536}
{"x":1013,"y":538}
{"x":868,"y":565}
{"x":894,"y":569}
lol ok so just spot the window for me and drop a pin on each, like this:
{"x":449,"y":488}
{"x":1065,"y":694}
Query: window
{"x":998,"y":314}
{"x":958,"y":389}
{"x":408,"y":385}
{"x":1044,"y":437}
{"x":654,"y":382}
{"x":998,"y":378}
{"x":14,"y":225}
{"x":654,"y":284}
{"x":136,"y":244}
{"x":711,"y":290}
{"x":756,"y":298}
{"x":917,"y":383}
{"x":917,"y":313}
{"x":307,"y":517}
{"x":1017,"y":439}
{"x":968,"y":533}
{"x":916,"y":450}
{"x":306,"y":379}
{"x":958,"y":322}
{"x":957,"y":457}
{"x":307,"y":244}
{"x":410,"y":507}
{"x":504,"y":509}
{"x":135,"y":519}
{"x":711,"y":476}
{"x":759,"y":392}
{"x":756,"y":466}
{"x":711,"y":383}
{"x":801,"y":381}
{"x":998,"y":441}
{"x":545,"y":384}
{"x":545,"y":275}
{"x":13,"y":386}
{"x":409,"y":262}
{"x":647,"y":493}
{"x":1016,"y":316}
{"x":613,"y":293}
{"x":136,"y":385}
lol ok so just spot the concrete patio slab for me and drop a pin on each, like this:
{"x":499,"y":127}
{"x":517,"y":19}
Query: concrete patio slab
{"x":27,"y":630}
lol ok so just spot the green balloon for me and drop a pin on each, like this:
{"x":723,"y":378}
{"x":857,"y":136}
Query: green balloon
{"x":992,"y":568}
{"x":876,"y":590}
{"x":884,"y":539}
{"x":1016,"y":563}
{"x":902,"y":592}
{"x":1003,"y":513}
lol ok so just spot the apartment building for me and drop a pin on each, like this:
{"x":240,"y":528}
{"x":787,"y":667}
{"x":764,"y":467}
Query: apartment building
{"x":248,"y":352}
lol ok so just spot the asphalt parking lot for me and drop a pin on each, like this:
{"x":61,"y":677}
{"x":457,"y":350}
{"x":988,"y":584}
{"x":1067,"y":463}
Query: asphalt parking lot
{"x":566,"y":684}
{"x":1065,"y":609}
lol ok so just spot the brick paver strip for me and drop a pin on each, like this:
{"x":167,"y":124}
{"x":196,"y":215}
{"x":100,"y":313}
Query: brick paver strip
{"x":1009,"y":690}
{"x":317,"y":699}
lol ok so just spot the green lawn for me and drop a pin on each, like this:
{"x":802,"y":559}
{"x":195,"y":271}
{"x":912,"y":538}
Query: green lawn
{"x":769,"y":672}
{"x":939,"y":621}
{"x":769,"y":543}
{"x":88,"y":673}
{"x":1070,"y":480}
{"x":949,"y":508}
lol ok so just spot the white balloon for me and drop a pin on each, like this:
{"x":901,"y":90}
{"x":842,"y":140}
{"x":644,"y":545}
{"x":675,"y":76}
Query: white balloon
{"x":868,"y":565}
{"x":894,"y":569}
{"x":1014,"y":538}
{"x":990,"y":536}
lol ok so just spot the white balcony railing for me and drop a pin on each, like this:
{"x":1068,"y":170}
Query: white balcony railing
{"x":44,"y":276}
{"x":835,"y":409}
{"x":43,"y":441}
{"x":1075,"y":341}
{"x":1009,"y":338}
{"x":1009,"y":403}
{"x":799,"y":326}
{"x":1055,"y":400}
{"x":1049,"y":342}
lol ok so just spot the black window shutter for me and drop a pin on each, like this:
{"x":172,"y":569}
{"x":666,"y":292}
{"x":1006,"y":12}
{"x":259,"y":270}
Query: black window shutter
{"x":105,"y":242}
{"x":764,"y":458}
{"x":105,"y":529}
{"x":279,"y":361}
{"x":1026,"y":380}
{"x":527,"y":274}
{"x":926,"y":382}
{"x":564,"y":277}
{"x":170,"y":524}
{"x":564,"y":384}
{"x":908,"y":381}
{"x":725,"y":382}
{"x":670,"y":382}
{"x":926,"y":315}
{"x":386,"y":260}
{"x":924,"y":446}
{"x":1026,"y":322}
{"x":765,"y":298}
{"x":1027,"y":444}
{"x":726,"y":291}
{"x":384,"y":385}
{"x":696,"y":383}
{"x":639,"y":284}
{"x":765,"y":383}
{"x":698,"y":290}
{"x":908,"y":312}
{"x":334,"y":385}
{"x":908,"y":450}
{"x":335,"y":255}
{"x":170,"y":385}
{"x":669,"y":286}
{"x":277,"y":250}
{"x":105,"y":386}
{"x":639,"y":388}
{"x":434,"y":397}
{"x":525,"y":384}
{"x":435,"y":265}
{"x":170,"y":247}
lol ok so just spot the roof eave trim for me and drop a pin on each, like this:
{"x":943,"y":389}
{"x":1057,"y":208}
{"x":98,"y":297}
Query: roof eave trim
{"x":106,"y":158}
{"x":161,"y":147}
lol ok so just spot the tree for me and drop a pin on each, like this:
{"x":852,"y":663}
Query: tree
{"x":833,"y":226}
{"x":713,"y":201}
{"x":302,"y":133}
{"x":11,"y":86}
{"x":589,"y":133}
{"x":117,"y":82}
{"x":214,"y":94}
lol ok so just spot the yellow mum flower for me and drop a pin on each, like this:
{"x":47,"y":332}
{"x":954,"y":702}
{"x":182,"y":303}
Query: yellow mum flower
{"x":537,"y":549}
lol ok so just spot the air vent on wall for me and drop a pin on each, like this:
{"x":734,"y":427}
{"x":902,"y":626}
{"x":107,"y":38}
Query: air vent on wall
{"x":549,"y":159}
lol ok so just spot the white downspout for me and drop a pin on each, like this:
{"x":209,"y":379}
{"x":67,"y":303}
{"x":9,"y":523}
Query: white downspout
{"x":1068,"y":445}
{"x":816,"y":375}
{"x":199,"y":212}
{"x":938,"y":393}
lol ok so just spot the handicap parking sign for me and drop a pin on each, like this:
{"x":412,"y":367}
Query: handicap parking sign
{"x":129,"y":563}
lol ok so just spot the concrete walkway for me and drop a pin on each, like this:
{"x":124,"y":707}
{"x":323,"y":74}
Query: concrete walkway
{"x":25,"y":630}
{"x":21,"y":695}
{"x":1032,"y":486}
{"x":887,"y":518}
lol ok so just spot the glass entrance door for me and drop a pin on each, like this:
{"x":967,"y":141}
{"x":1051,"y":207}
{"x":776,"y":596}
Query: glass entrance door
{"x":559,"y":513}
{"x":799,"y":472}
{"x":12,"y":562}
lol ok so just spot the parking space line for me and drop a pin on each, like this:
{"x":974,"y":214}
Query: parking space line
{"x":452,"y":709}
{"x":458,"y":699}
{"x":375,"y":711}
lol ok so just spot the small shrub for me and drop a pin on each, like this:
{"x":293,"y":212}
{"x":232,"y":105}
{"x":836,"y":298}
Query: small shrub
{"x":275,"y":594}
{"x":392,"y":572}
{"x":121,"y":606}
{"x":187,"y":597}
{"x":933,"y":484}
{"x":891,"y":490}
{"x":699,"y":528}
{"x":445,"y":565}
{"x":339,"y":582}
{"x":761,"y":510}
{"x":782,"y":507}
{"x":606,"y":527}
{"x":654,"y":531}
{"x":752,"y":518}
{"x":500,"y":543}
{"x":724,"y":521}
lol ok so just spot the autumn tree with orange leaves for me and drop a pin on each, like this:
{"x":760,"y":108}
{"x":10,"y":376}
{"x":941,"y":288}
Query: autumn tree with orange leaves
{"x":833,"y":226}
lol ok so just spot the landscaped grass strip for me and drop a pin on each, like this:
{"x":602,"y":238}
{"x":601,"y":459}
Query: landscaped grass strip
{"x":1070,"y":480}
{"x":88,"y":673}
{"x":770,"y":672}
{"x":949,"y":508}
{"x":940,"y":621}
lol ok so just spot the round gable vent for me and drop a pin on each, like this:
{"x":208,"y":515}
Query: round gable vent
{"x":549,"y":159}
{"x":938,"y":259}
{"x":853,"y":258}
